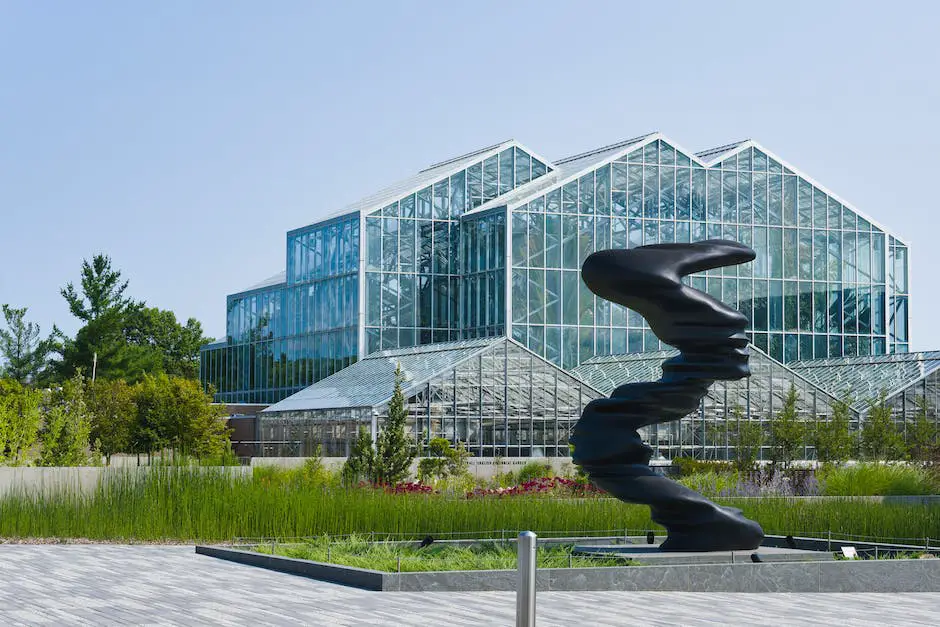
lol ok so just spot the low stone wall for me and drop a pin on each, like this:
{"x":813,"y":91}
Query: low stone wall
{"x":34,"y":481}
{"x":896,"y":575}
{"x":480,"y":467}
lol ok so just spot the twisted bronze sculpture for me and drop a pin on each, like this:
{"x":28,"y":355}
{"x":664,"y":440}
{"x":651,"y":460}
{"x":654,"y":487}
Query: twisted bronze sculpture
{"x":712,"y":346}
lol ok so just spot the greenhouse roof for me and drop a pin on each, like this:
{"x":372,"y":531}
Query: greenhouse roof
{"x":370,"y":381}
{"x":607,"y":372}
{"x":865,"y":378}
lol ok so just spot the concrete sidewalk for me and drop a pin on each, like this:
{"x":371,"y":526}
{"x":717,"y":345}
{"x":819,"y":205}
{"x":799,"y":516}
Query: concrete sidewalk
{"x":171,"y":585}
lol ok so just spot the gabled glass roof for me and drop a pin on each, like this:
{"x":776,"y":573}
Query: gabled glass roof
{"x":370,"y":381}
{"x":569,"y":167}
{"x":865,"y":378}
{"x":276,"y":279}
{"x":607,"y":372}
{"x":714,"y":154}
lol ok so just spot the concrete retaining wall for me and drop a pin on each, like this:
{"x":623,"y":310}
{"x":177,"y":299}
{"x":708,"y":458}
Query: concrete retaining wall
{"x":914,"y":575}
{"x":480,"y":467}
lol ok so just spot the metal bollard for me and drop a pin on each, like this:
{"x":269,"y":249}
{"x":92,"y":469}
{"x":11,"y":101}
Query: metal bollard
{"x":525,"y":593}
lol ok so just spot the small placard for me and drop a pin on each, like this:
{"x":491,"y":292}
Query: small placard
{"x":849,"y":552}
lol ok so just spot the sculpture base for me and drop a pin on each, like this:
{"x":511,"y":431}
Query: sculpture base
{"x":693,"y":522}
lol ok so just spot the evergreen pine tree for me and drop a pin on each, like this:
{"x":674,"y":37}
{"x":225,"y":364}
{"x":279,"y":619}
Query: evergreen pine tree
{"x":360,"y":465}
{"x":394,"y":450}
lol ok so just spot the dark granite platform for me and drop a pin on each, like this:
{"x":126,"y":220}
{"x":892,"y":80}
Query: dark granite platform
{"x":651,"y":554}
{"x":892,"y":575}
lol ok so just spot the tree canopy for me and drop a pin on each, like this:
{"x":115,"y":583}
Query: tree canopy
{"x":25,"y":353}
{"x":122,"y":338}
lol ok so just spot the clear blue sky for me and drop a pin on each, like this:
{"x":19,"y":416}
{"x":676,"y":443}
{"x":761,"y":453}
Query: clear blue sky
{"x":185,"y":138}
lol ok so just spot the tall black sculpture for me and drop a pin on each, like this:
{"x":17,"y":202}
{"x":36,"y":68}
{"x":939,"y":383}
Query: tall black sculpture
{"x":712,"y":346}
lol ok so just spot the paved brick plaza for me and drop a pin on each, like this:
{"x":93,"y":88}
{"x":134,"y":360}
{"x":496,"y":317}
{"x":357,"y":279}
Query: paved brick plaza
{"x":109,"y":584}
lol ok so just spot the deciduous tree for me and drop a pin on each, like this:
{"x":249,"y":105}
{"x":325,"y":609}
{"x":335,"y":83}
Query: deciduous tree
{"x":66,"y":426}
{"x":19,"y":421}
{"x":880,"y":439}
{"x":832,"y":439}
{"x":787,"y":431}
{"x":113,"y":409}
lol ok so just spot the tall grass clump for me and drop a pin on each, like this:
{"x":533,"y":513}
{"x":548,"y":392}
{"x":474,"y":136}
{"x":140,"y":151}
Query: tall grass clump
{"x":175,"y":503}
{"x":876,"y":479}
{"x":392,"y":556}
{"x":169,"y":503}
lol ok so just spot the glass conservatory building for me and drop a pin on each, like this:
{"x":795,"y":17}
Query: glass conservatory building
{"x":489,"y":245}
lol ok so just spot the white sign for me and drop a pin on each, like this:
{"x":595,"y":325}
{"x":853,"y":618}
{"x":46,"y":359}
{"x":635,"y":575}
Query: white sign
{"x":849,"y":552}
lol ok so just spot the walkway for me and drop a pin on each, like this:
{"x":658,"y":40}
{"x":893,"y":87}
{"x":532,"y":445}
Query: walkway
{"x":109,"y":584}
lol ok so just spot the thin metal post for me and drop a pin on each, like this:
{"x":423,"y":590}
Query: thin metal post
{"x":525,"y":593}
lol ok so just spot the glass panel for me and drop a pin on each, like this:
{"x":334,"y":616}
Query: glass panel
{"x":569,"y":199}
{"x":458,"y":193}
{"x":651,"y":192}
{"x":538,"y":168}
{"x":759,"y":198}
{"x":714,"y":196}
{"x":536,"y":296}
{"x":553,"y":241}
{"x":407,"y":245}
{"x":519,"y":238}
{"x":523,"y":175}
{"x":475,"y":184}
{"x":586,"y":193}
{"x":585,"y":238}
{"x":698,"y":194}
{"x":506,"y":170}
{"x":537,"y":240}
{"x":683,"y":193}
{"x":553,"y":201}
{"x":373,"y":243}
{"x":602,"y":190}
{"x":729,"y":212}
{"x":819,"y":209}
{"x":570,"y":297}
{"x":635,"y":193}
{"x":424,"y":203}
{"x":390,"y":244}
{"x":619,"y":181}
{"x":667,"y":193}
{"x":570,"y":242}
{"x":490,"y":178}
{"x":390,"y":300}
{"x":878,"y":257}
{"x":586,"y":301}
{"x":553,"y":297}
{"x":775,"y":199}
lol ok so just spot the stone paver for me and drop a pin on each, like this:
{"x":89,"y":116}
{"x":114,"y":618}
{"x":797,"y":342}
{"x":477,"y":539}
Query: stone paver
{"x":159,"y":585}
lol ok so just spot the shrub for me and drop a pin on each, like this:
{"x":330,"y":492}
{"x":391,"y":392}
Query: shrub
{"x":686,"y":466}
{"x":876,"y":480}
{"x":534,"y":470}
{"x":712,"y":483}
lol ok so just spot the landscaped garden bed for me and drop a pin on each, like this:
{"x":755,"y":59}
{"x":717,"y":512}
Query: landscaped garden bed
{"x":173,"y":504}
